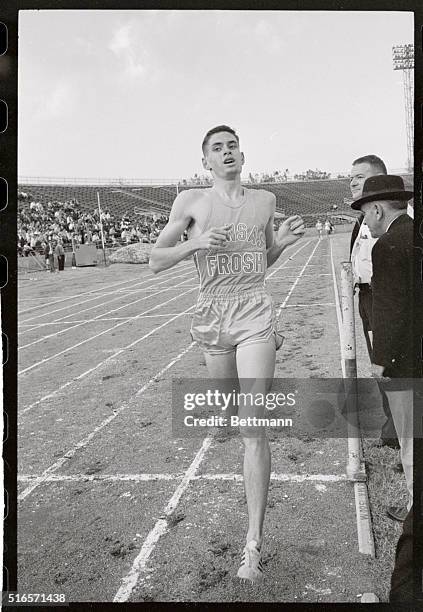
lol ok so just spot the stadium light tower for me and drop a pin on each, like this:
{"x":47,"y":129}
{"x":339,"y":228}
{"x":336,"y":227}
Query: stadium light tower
{"x":403,"y":57}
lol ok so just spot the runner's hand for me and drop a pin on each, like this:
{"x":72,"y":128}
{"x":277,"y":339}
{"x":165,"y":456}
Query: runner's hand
{"x":291,"y":230}
{"x":213,"y":238}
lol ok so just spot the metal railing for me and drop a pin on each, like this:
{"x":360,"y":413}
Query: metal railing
{"x":159,"y":182}
{"x":106,"y":182}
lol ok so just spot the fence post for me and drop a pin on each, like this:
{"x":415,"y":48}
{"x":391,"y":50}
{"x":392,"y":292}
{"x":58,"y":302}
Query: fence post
{"x":350,"y":369}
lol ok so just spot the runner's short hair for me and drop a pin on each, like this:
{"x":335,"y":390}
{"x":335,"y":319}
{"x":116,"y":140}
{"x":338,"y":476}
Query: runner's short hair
{"x":374,"y":161}
{"x":215,"y":130}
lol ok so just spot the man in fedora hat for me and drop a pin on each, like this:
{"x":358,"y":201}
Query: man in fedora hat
{"x":384,"y":204}
{"x":361,"y":260}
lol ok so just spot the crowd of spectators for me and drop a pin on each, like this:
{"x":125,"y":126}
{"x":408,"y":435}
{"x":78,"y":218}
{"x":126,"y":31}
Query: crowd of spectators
{"x":312,"y":175}
{"x":197,"y":179}
{"x":278,"y":176}
{"x":282,"y":176}
{"x":63,"y":222}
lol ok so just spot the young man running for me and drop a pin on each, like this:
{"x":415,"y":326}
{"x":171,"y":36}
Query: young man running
{"x":232,"y":239}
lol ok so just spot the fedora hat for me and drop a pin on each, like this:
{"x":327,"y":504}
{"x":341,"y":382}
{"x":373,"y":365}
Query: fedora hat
{"x":382,"y":187}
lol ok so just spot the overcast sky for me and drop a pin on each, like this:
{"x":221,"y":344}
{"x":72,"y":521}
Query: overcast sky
{"x":131,"y":93}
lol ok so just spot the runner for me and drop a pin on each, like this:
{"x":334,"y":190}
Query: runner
{"x":232,"y":239}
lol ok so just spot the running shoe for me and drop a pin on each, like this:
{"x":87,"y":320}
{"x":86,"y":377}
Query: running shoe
{"x":251,"y":564}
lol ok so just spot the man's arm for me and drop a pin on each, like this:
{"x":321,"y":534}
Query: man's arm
{"x":291,"y":230}
{"x":166,"y":252}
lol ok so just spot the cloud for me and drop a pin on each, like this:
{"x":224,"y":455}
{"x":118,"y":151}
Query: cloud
{"x":124,"y":47}
{"x":121,"y":40}
{"x":56,"y":102}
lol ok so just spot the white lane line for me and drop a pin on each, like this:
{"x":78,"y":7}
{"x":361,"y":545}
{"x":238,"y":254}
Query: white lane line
{"x":310,"y":305}
{"x":46,"y":359}
{"x":152,"y":293}
{"x":113,"y":356}
{"x":63,"y":321}
{"x":69,"y":297}
{"x":133,"y":578}
{"x":283,"y":305}
{"x":91,"y":370}
{"x":33,"y":299}
{"x":160,"y":528}
{"x":82,"y":443}
{"x":33,"y":326}
{"x":310,"y":275}
{"x":178,"y":476}
{"x":98,"y":297}
{"x":129,"y":581}
{"x":97,"y":306}
{"x":105,"y":331}
{"x":168,"y":314}
{"x":152,"y":288}
{"x":77,"y":295}
{"x":282,"y":265}
{"x":296,"y":267}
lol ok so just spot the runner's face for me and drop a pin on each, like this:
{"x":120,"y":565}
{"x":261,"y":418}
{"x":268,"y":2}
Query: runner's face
{"x":359,"y":173}
{"x":223,"y":156}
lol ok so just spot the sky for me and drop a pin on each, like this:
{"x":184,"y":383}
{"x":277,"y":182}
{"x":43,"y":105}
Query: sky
{"x":130,"y":94}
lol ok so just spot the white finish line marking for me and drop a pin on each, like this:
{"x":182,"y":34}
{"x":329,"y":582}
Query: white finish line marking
{"x":160,"y":528}
{"x":178,"y":476}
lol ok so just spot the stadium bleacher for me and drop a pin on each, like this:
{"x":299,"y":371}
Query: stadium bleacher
{"x":133,"y":201}
{"x":311,"y":199}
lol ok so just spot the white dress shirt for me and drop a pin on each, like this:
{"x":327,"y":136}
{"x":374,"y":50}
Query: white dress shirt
{"x":361,"y":255}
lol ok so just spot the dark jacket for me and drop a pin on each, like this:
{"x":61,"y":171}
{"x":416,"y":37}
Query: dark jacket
{"x":392,"y":289}
{"x":355,"y":231}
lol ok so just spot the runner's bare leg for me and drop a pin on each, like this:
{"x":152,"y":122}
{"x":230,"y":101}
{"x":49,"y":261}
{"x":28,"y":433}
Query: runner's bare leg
{"x":256,"y":365}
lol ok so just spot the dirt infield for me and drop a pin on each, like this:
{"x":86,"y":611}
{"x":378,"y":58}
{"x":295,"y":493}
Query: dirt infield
{"x":113,"y":507}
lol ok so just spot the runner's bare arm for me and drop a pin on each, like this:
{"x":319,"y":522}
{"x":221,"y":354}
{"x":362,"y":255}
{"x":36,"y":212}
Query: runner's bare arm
{"x":166,"y":252}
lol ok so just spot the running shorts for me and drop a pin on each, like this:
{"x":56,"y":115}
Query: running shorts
{"x":221,"y":323}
